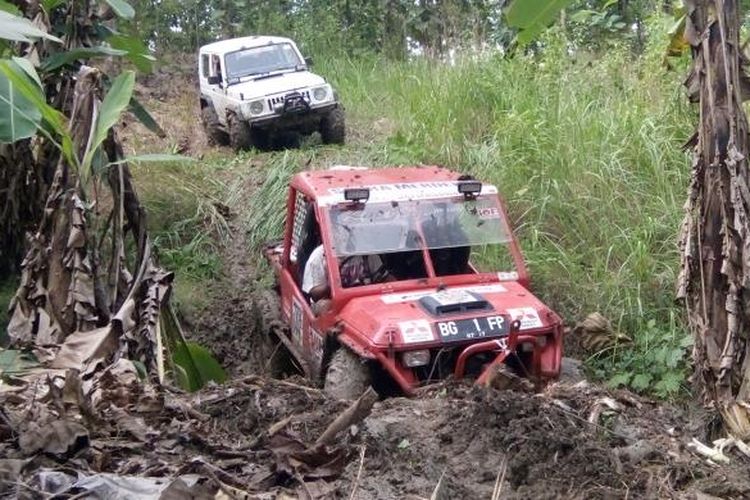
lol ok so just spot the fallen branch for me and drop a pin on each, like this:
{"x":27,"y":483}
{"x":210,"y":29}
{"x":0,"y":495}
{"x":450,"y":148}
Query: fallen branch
{"x":359,"y":472}
{"x":279,"y":425}
{"x":356,"y":412}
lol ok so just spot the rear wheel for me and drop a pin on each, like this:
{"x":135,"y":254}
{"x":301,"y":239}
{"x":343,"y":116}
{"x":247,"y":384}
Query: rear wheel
{"x":347,"y":376}
{"x":216,"y":136}
{"x":333,"y":127}
{"x":270,"y":354}
{"x":240,"y":137}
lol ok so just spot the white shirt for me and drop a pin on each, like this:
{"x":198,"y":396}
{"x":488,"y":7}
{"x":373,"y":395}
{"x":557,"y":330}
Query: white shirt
{"x":316,"y":270}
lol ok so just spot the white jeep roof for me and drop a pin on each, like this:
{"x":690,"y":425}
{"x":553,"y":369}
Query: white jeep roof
{"x":245,"y":42}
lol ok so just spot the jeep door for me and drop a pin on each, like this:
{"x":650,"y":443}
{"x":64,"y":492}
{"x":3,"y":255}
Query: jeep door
{"x":211,"y":66}
{"x":303,"y":236}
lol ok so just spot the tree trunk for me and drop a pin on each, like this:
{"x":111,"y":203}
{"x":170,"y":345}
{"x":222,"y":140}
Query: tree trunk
{"x":715,"y":278}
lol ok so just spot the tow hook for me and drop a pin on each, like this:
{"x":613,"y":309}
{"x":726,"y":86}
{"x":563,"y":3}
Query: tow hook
{"x":515,"y":327}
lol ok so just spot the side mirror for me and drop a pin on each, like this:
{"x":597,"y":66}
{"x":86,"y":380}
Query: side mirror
{"x":214,"y":80}
{"x":309,"y":61}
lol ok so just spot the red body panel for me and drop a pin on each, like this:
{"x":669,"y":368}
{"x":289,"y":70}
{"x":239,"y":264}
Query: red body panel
{"x":380,"y":321}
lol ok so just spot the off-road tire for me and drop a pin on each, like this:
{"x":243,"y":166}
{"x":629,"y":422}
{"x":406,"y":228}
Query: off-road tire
{"x":240,"y":136}
{"x":270,"y":355}
{"x":216,"y":136}
{"x":333,"y":127}
{"x":347,"y":376}
{"x":571,"y":371}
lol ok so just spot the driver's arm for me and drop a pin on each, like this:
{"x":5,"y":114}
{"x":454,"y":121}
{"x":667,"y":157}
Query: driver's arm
{"x":315,"y":279}
{"x":322,"y":291}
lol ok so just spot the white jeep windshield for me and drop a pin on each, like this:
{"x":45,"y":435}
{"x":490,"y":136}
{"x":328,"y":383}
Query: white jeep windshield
{"x":260,"y":60}
{"x":381,"y":228}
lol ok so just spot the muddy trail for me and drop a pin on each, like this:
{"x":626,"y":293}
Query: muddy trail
{"x":259,"y":438}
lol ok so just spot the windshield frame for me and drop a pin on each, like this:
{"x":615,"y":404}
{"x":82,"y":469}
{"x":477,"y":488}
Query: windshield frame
{"x":338,"y":291}
{"x":300,"y":59}
{"x":430,"y":223}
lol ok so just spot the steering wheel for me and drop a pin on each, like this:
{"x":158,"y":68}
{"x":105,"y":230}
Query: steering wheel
{"x":378,"y":276}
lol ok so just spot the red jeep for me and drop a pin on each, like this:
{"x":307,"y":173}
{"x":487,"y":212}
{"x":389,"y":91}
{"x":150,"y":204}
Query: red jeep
{"x":428,"y":311}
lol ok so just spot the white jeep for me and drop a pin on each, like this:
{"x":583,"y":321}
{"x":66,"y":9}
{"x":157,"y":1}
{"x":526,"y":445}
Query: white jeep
{"x":253,"y":88}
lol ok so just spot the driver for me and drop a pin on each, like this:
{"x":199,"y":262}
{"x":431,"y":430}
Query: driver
{"x":355,"y":270}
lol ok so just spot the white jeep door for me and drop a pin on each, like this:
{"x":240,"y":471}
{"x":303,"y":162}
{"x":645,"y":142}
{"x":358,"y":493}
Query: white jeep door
{"x":217,"y":92}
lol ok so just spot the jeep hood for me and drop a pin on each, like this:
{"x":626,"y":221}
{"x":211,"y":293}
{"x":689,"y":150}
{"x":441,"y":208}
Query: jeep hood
{"x":284,"y":82}
{"x":414,"y":319}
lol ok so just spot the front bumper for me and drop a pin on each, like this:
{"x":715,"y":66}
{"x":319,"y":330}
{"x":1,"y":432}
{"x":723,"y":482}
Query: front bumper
{"x":294,"y":117}
{"x":543,"y":359}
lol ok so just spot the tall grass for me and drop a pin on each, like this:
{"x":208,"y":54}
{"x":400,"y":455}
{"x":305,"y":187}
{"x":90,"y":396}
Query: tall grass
{"x":586,"y":151}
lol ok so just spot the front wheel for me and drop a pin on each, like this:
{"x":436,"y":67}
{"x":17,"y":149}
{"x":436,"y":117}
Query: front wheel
{"x":216,"y":136}
{"x":347,"y":376}
{"x":239,"y":133}
{"x":333,"y":127}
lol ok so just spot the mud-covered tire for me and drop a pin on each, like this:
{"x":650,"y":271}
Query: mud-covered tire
{"x":240,"y":136}
{"x":571,"y":371}
{"x":333,"y":127}
{"x":270,"y":354}
{"x":216,"y":136}
{"x":347,"y":376}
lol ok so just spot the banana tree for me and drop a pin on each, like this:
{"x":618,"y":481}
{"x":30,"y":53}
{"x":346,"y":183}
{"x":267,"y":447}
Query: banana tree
{"x":78,"y":277}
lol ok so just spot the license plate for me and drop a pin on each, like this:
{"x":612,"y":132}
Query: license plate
{"x":474,"y":328}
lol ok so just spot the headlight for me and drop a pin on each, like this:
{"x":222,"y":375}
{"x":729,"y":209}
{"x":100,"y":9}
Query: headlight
{"x":413,"y":359}
{"x":256,"y":107}
{"x":320,"y":93}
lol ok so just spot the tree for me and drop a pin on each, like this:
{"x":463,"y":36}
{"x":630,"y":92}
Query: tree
{"x":79,"y":280}
{"x":715,"y":278}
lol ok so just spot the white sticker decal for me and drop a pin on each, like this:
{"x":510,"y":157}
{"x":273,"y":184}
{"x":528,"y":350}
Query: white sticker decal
{"x":488,"y":213}
{"x":316,"y":345}
{"x":528,"y":316}
{"x":297,"y":322}
{"x":511,"y":276}
{"x":415,"y":331}
{"x":398,"y":298}
{"x":452,"y":297}
{"x":403,"y":192}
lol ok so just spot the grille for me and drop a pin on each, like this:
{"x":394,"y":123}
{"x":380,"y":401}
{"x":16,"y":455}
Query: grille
{"x":279,"y":99}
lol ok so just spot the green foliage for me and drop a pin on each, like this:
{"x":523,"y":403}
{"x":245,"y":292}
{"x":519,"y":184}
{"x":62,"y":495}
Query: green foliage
{"x":122,"y":8}
{"x":656,"y":362}
{"x":114,"y":103}
{"x":532,"y":16}
{"x":19,"y":118}
{"x":195,"y":366}
{"x":13,"y":362}
{"x":17,"y":29}
{"x":30,"y":89}
{"x":62,"y":58}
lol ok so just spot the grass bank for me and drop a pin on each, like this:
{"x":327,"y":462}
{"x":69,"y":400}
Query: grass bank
{"x":587,"y":152}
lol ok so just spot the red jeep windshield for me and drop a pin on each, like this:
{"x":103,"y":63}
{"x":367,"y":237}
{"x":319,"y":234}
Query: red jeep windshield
{"x":381,"y":228}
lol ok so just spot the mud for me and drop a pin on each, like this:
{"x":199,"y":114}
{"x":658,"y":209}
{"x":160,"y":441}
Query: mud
{"x":542,"y":445}
{"x":454,"y":441}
